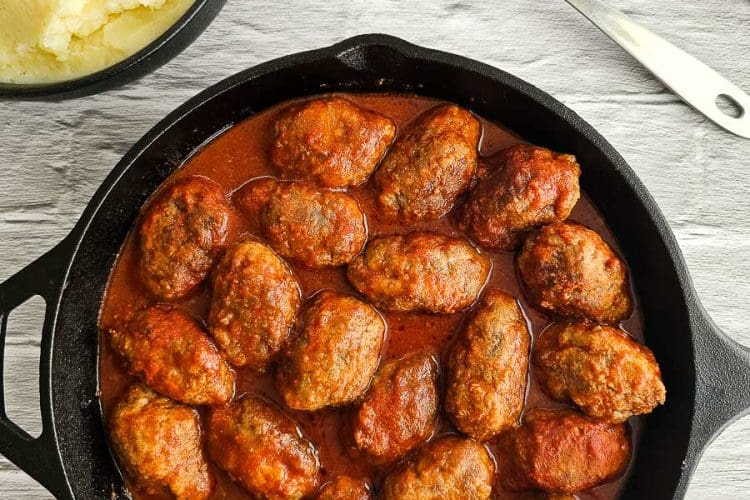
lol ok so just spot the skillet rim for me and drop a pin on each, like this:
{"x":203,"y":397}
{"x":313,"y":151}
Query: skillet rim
{"x":350,"y":46}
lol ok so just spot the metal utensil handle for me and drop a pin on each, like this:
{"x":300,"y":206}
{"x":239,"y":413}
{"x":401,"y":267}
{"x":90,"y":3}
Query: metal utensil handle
{"x":38,"y":457}
{"x":696,"y":83}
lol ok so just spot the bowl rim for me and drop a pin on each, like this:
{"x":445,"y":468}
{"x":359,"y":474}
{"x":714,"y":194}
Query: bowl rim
{"x":121,"y":68}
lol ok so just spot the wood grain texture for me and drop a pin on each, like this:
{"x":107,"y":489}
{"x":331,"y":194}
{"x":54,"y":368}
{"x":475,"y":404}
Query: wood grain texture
{"x":53,"y":156}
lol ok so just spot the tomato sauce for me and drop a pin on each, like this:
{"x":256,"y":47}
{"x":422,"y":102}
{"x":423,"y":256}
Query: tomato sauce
{"x":240,"y":154}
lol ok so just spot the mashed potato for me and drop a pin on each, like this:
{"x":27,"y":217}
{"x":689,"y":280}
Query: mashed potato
{"x":44,"y":41}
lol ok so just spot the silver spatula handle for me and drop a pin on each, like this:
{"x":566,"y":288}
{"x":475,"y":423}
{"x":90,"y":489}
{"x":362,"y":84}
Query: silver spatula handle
{"x":696,"y":83}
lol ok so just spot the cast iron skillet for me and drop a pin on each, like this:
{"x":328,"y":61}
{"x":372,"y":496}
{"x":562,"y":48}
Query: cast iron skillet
{"x":706,"y":374}
{"x":173,"y":41}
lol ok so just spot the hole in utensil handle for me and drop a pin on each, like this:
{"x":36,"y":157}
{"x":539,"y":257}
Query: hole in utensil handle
{"x":729,"y":106}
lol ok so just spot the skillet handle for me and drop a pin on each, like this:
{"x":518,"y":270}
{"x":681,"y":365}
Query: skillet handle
{"x":39,"y":457}
{"x":722,"y":388}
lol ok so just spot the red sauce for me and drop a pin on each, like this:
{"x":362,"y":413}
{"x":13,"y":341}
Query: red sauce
{"x":241,"y":154}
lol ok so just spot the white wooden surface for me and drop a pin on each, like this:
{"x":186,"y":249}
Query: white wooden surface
{"x":53,"y":156}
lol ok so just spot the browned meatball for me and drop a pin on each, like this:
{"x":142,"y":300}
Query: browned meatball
{"x":168,"y":350}
{"x":487,"y":368}
{"x":421,"y":271}
{"x":183,"y":231}
{"x":449,"y":468}
{"x":543,"y":495}
{"x":570,"y":270}
{"x":430,"y":165}
{"x":344,"y":488}
{"x":330,"y":140}
{"x":533,"y":186}
{"x":254,"y":195}
{"x":561,"y":451}
{"x":399,"y":411}
{"x":158,"y":443}
{"x":317,"y":227}
{"x":333,"y":359}
{"x":254,"y":305}
{"x":600,"y":368}
{"x":263,"y":449}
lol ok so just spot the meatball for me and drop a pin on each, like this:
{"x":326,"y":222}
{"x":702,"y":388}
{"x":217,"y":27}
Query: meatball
{"x":262,"y":448}
{"x":254,"y":195}
{"x":570,"y":270}
{"x":317,"y":227}
{"x":330,"y":140}
{"x":561,"y":451}
{"x":430,"y":165}
{"x":421,"y":271}
{"x":540,"y":495}
{"x":344,"y":488}
{"x":333,"y":359}
{"x":167,"y":349}
{"x":183,"y":231}
{"x":254,"y":305}
{"x":399,"y":411}
{"x":449,"y":468}
{"x":532,"y":187}
{"x":158,"y":443}
{"x":600,"y":368}
{"x":487,"y":368}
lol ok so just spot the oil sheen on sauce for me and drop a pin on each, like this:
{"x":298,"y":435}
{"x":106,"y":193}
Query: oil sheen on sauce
{"x":241,"y":154}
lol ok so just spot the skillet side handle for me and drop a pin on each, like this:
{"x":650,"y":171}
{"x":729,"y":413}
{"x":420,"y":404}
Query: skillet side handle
{"x":722,"y":389}
{"x":39,"y":457}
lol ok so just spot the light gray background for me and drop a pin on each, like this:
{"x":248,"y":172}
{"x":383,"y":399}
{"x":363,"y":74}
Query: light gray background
{"x":53,"y":156}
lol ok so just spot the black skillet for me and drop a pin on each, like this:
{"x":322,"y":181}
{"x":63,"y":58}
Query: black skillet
{"x":706,"y":374}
